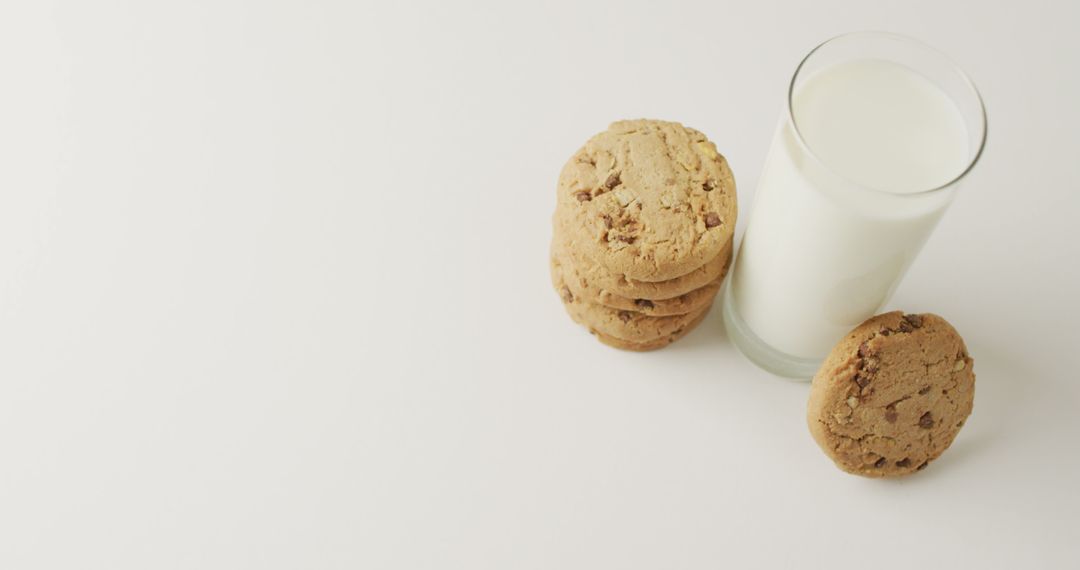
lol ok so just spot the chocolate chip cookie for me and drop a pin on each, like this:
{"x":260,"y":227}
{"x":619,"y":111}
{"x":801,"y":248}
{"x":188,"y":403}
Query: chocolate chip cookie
{"x":618,"y":284}
{"x":892,"y":396}
{"x":651,"y":200}
{"x":585,"y":288}
{"x":653,"y":344}
{"x":622,"y":328}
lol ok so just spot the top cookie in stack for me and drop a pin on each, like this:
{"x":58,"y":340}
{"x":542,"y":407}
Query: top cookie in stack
{"x":643,"y":231}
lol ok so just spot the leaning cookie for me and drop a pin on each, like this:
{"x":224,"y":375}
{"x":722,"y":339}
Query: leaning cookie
{"x":686,"y":303}
{"x":892,"y":396}
{"x":651,"y":200}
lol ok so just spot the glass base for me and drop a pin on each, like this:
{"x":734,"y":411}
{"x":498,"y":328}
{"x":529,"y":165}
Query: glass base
{"x":761,"y":353}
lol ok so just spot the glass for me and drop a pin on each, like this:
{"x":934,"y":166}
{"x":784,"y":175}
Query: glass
{"x":878,"y":132}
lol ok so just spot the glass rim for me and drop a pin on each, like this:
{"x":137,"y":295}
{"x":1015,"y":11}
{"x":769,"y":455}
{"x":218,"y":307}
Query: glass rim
{"x":945,"y":58}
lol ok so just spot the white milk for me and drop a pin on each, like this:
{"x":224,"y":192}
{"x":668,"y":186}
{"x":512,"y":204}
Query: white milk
{"x":827,"y":242}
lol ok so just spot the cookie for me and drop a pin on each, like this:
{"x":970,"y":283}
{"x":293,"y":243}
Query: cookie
{"x":584,"y":288}
{"x":892,"y":395}
{"x":618,"y":284}
{"x":629,"y":327}
{"x":650,"y":200}
{"x":650,"y":345}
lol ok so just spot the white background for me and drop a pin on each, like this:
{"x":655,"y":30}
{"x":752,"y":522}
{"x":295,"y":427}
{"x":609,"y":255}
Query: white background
{"x":274,"y":294}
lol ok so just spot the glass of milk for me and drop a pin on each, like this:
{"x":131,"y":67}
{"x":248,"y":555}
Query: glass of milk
{"x":878,"y":132}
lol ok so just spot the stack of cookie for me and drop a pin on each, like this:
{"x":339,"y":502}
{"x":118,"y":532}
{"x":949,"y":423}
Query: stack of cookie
{"x":643,"y":232}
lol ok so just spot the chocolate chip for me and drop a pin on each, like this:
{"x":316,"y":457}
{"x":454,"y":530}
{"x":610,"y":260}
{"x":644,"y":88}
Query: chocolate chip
{"x":914,"y":320}
{"x":583,"y":196}
{"x":712,"y":219}
{"x":612,"y":181}
{"x":708,"y":186}
{"x":861,"y":380}
{"x":903,"y":462}
{"x":904,"y":327}
{"x":607,"y":220}
{"x":624,"y":316}
{"x":926,"y":421}
{"x":922,"y":466}
{"x":924,"y":391}
{"x":880,"y":463}
{"x":626,"y":239}
{"x":864,"y":350}
{"x":567,"y":295}
{"x":643,"y":303}
{"x":891,"y":415}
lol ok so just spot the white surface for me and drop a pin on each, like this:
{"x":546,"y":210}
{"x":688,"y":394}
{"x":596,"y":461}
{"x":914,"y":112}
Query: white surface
{"x":274,"y":294}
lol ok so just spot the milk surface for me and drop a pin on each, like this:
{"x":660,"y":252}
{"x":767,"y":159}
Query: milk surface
{"x":830,"y":237}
